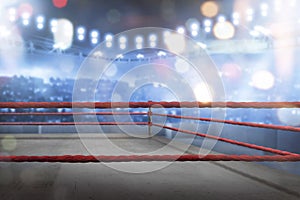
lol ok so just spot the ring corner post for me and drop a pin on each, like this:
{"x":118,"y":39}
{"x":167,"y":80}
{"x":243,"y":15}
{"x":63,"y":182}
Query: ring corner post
{"x":149,"y":113}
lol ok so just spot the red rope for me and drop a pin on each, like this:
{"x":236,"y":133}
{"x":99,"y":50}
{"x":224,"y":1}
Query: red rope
{"x":283,"y":155}
{"x":73,"y":113}
{"x":164,"y":104}
{"x":73,"y":123}
{"x":271,"y":126}
{"x":252,"y":146}
{"x":140,"y":158}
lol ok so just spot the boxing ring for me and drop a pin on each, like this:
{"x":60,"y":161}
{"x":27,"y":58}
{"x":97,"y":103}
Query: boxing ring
{"x":280,"y":155}
{"x":247,"y":179}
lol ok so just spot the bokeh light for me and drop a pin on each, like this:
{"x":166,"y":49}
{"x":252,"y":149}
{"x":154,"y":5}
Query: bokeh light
{"x":108,"y":37}
{"x":12,"y":12}
{"x":289,"y":116}
{"x":209,"y":9}
{"x":60,"y":3}
{"x":139,"y":39}
{"x":139,"y":42}
{"x":122,"y":46}
{"x":203,"y":93}
{"x":207,"y":23}
{"x":221,"y":18}
{"x":108,"y":40}
{"x":263,"y":80}
{"x":152,"y":40}
{"x":236,"y":18}
{"x":224,"y":30}
{"x":122,"y":39}
{"x":94,"y":33}
{"x":9,"y":143}
{"x":249,"y":14}
{"x":40,"y":20}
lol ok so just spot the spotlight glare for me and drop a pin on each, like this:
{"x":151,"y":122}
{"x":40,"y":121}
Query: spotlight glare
{"x":152,"y":37}
{"x":166,"y":34}
{"x":250,"y":11}
{"x":207,"y":29}
{"x":25,"y":15}
{"x":122,"y":46}
{"x":221,"y":18}
{"x":195,"y":26}
{"x":191,"y":23}
{"x":53,"y":29}
{"x":194,"y":33}
{"x":40,"y":26}
{"x":207,"y":23}
{"x":80,"y":37}
{"x":264,"y":6}
{"x":80,"y":30}
{"x":94,"y":40}
{"x":139,"y":39}
{"x":12,"y":18}
{"x":25,"y":22}
{"x":249,"y":18}
{"x":152,"y":44}
{"x":122,"y":39}
{"x":109,"y":37}
{"x":53,"y":23}
{"x":108,"y":44}
{"x":236,"y":22}
{"x":12,"y":11}
{"x":94,"y":34}
{"x":235,"y":15}
{"x":180,"y":30}
{"x":264,"y":13}
{"x":40,"y":19}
